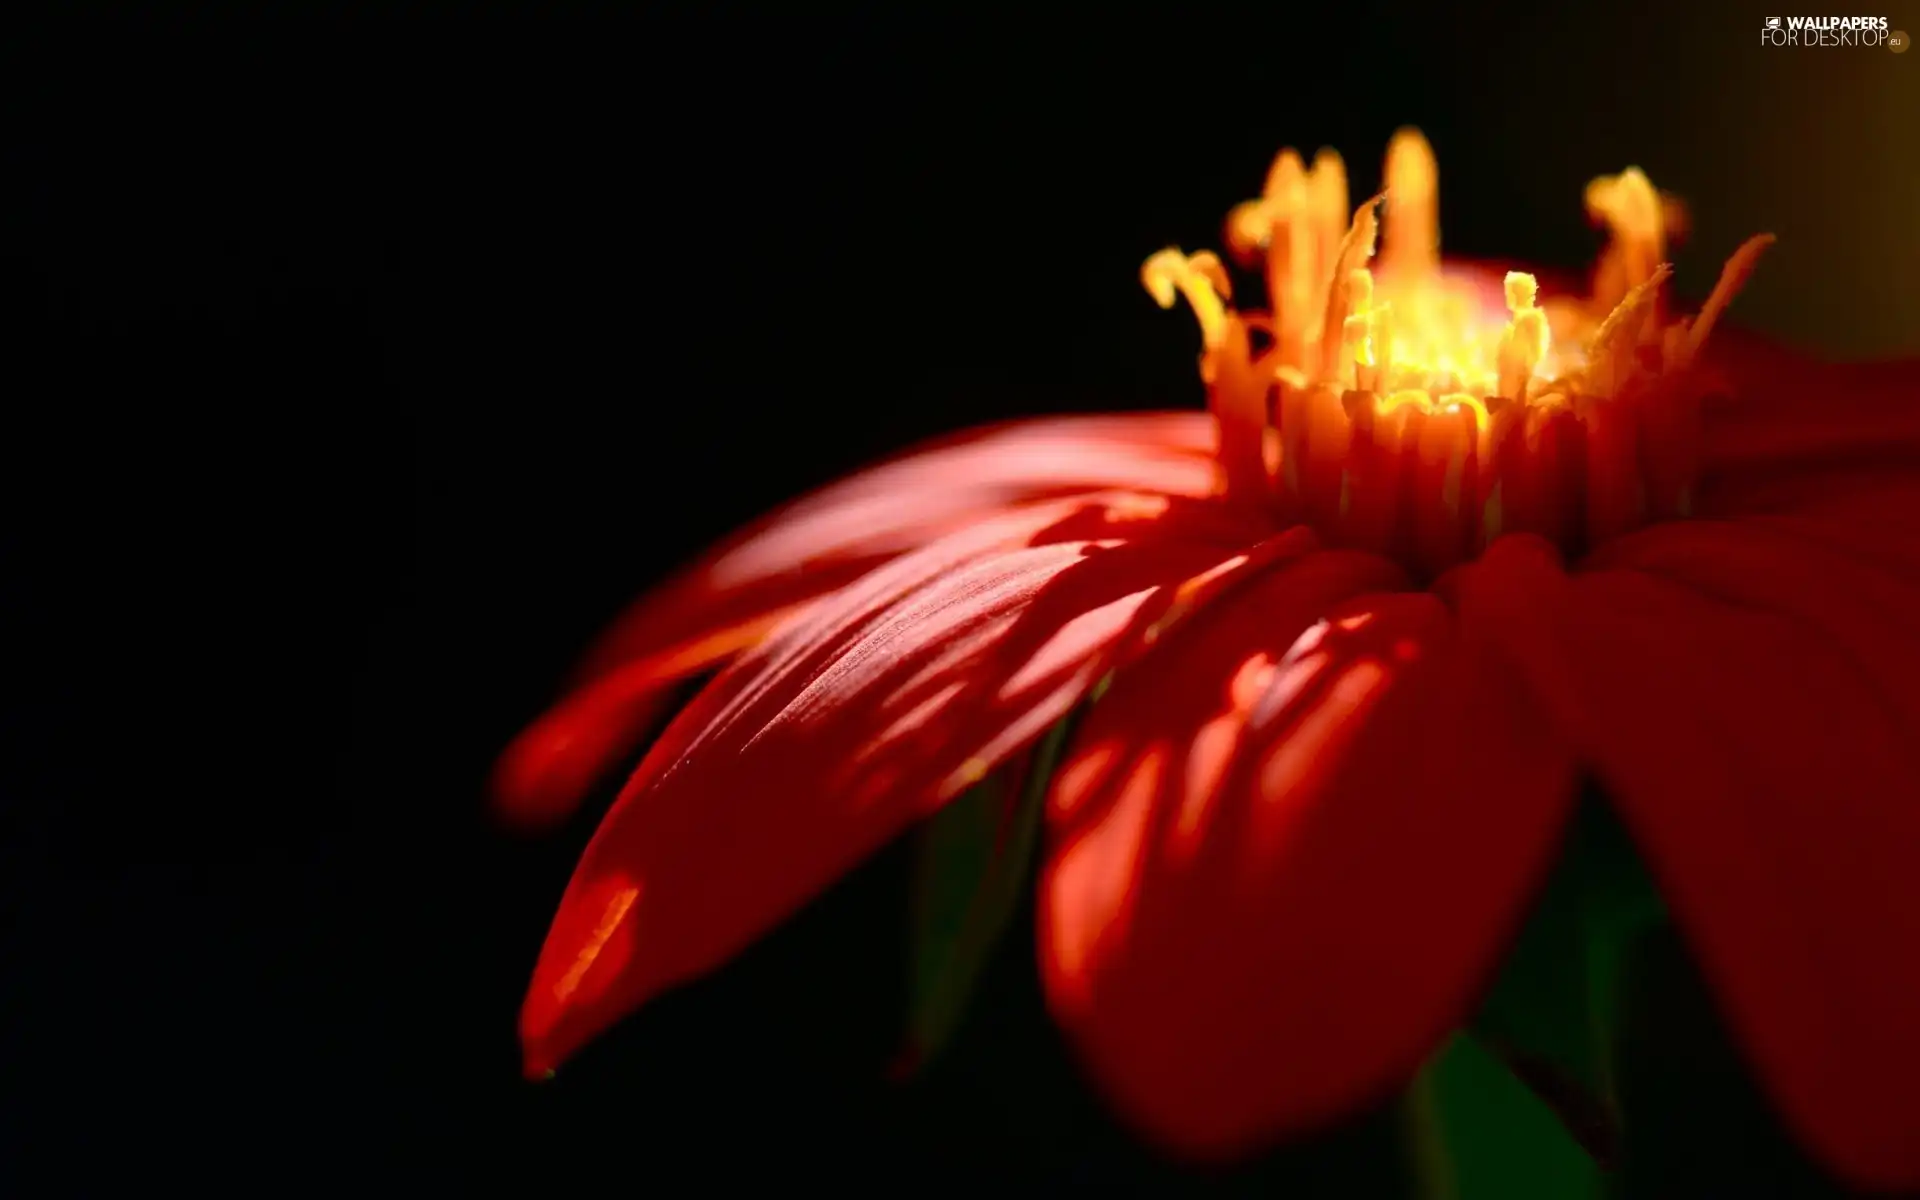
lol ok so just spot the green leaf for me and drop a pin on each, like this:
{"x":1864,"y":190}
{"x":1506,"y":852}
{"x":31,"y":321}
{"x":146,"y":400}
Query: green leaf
{"x":1552,"y":1016}
{"x":976,"y":857}
{"x":1600,"y":1012}
{"x":1476,"y":1133}
{"x":1428,"y":1156}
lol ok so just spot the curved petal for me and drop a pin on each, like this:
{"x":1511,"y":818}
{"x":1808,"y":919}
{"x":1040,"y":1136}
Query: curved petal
{"x":1793,"y":433}
{"x":824,"y":540}
{"x":778,"y":567}
{"x":545,"y":770}
{"x":1286,"y":855}
{"x":1752,"y":700}
{"x":821,"y":744}
{"x":554,"y":762}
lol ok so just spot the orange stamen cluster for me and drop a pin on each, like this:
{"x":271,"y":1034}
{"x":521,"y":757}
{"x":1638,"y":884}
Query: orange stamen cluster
{"x":1421,"y":412}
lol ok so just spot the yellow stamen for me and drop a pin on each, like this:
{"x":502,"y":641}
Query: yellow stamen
{"x":1610,"y":354}
{"x":1358,"y":327}
{"x":1636,"y":223}
{"x":1521,"y":290}
{"x":1286,"y":173}
{"x":1327,"y":200}
{"x":1201,"y":279}
{"x":1524,"y":344}
{"x":1413,"y":416}
{"x":1466,"y":400}
{"x":1291,"y":241}
{"x":1379,"y":345}
{"x":1248,"y":227}
{"x":1733,"y":277}
{"x":1411,"y":241}
{"x":1360,"y":290}
{"x":1355,"y":249}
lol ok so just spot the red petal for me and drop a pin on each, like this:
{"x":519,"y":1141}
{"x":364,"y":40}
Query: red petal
{"x":1752,"y":700}
{"x":820,"y":745}
{"x":1831,"y":453}
{"x":732,"y":598}
{"x":558,"y":759}
{"x":839,"y":532}
{"x":1286,"y":856}
{"x":1811,"y":425}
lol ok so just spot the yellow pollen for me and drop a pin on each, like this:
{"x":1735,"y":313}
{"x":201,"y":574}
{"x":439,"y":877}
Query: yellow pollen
{"x":1524,"y":344}
{"x":1521,"y":288}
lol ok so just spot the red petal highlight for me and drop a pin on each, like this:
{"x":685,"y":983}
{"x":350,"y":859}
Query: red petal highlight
{"x":846,"y":528}
{"x":1286,"y":855}
{"x":1752,"y":699}
{"x":733,"y":597}
{"x":820,"y":745}
{"x":558,"y":759}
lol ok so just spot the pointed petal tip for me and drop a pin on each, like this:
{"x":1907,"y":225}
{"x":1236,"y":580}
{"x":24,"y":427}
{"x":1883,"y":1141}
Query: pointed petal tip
{"x":547,"y":1038}
{"x":517,"y":802}
{"x":540,"y":1058}
{"x":554,"y":763}
{"x":531,"y":787}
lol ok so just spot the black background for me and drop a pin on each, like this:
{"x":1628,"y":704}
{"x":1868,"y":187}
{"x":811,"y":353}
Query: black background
{"x":364,"y":359}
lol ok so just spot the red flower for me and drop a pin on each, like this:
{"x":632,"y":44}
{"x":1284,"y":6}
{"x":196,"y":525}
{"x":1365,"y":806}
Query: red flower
{"x":1369,"y":619}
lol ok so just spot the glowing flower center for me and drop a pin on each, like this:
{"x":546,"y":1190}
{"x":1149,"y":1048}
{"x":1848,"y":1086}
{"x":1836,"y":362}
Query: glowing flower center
{"x":1420,"y":412}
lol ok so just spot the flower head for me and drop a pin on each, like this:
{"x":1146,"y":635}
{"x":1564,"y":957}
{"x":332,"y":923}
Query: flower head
{"x":1421,"y":411}
{"x":1444,"y":543}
